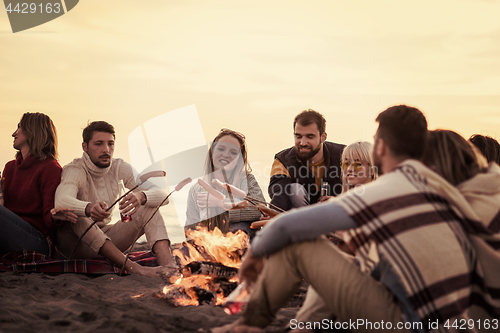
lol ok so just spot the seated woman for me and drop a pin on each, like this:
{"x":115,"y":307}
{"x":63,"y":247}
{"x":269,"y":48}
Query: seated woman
{"x":489,"y":147}
{"x":28,"y":217}
{"x":227,"y":162}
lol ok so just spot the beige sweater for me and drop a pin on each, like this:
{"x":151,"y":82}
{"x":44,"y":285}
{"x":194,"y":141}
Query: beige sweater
{"x":83,"y":183}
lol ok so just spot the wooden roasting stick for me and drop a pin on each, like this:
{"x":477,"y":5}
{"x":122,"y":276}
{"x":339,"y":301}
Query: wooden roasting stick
{"x":266,"y":210}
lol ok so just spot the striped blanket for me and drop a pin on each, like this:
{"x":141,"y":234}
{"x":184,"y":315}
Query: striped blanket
{"x":442,"y":242}
{"x":30,"y":261}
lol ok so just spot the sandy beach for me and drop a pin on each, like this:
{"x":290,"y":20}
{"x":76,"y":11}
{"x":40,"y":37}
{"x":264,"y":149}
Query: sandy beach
{"x":39,"y":302}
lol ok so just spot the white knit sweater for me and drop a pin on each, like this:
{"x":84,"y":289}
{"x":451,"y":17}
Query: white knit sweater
{"x":83,"y":182}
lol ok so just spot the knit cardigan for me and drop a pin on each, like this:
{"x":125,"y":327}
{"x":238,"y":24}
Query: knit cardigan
{"x":248,"y":184}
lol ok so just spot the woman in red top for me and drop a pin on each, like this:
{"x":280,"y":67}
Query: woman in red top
{"x":29,"y":183}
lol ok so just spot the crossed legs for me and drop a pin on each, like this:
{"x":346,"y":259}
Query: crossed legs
{"x":348,"y":293}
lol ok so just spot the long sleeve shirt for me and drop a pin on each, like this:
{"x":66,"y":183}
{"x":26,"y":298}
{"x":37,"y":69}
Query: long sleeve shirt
{"x":83,"y":183}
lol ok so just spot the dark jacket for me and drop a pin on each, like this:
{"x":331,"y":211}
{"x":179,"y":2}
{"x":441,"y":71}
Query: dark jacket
{"x":301,"y":173}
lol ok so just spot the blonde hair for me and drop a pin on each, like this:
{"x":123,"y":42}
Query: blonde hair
{"x":358,"y":151}
{"x":41,"y":135}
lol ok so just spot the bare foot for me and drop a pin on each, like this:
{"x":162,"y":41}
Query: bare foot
{"x":148,"y":271}
{"x":170,"y":273}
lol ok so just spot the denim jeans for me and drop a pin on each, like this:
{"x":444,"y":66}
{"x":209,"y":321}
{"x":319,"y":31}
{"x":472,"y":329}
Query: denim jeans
{"x":17,"y":235}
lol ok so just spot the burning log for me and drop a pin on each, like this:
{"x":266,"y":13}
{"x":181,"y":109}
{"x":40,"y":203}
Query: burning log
{"x":209,"y":263}
{"x":211,"y":269}
{"x":203,"y":296}
{"x":190,"y":296}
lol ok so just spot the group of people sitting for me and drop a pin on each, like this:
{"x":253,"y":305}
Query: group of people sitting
{"x":52,"y":210}
{"x":417,"y":213}
{"x":420,"y":218}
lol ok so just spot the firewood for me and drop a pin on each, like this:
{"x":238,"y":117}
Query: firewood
{"x":211,"y":269}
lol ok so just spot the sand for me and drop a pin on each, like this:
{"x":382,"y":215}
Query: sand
{"x":38,"y":302}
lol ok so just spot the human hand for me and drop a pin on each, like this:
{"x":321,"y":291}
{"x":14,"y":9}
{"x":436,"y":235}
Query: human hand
{"x":97,"y":211}
{"x":264,"y":217}
{"x":64,"y":214}
{"x":325,"y":198}
{"x":250,"y":268}
{"x":131,"y":202}
{"x":205,"y":199}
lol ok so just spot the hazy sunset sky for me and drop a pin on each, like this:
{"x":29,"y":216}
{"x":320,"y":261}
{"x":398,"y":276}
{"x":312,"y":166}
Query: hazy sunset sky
{"x":252,"y":66}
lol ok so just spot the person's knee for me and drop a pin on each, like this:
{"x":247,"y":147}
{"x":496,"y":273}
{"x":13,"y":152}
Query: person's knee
{"x":298,"y":195}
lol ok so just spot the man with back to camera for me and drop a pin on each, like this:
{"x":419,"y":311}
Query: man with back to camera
{"x":299,"y":173}
{"x":413,"y":288}
{"x":89,"y":185}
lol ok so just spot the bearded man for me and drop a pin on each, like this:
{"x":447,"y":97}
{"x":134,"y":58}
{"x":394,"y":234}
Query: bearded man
{"x":309,"y":172}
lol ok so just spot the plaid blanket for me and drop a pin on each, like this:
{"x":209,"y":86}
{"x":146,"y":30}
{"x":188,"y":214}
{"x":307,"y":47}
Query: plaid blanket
{"x":31,"y":261}
{"x":432,"y":242}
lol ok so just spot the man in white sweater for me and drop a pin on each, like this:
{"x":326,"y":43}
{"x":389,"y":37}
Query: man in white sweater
{"x":89,"y":185}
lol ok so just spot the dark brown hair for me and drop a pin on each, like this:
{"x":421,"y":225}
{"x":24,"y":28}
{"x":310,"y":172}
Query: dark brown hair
{"x":404,"y":130}
{"x":309,"y":116}
{"x":451,"y":156}
{"x":41,"y":135}
{"x":209,"y":167}
{"x":488,"y":146}
{"x":96,"y":126}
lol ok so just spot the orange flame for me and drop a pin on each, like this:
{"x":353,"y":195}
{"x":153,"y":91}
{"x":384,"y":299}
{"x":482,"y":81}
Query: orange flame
{"x":225,"y":249}
{"x":219,"y":246}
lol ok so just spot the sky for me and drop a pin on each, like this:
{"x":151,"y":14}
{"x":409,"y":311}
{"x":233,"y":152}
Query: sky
{"x":252,"y":66}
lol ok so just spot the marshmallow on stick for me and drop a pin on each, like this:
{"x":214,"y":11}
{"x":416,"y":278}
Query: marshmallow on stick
{"x":211,"y":190}
{"x":230,"y":188}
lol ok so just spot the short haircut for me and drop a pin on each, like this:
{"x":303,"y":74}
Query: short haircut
{"x":489,"y":147}
{"x":309,"y":116}
{"x":358,"y":151}
{"x":96,"y":126}
{"x":40,"y":134}
{"x":404,"y":130}
{"x":451,"y":156}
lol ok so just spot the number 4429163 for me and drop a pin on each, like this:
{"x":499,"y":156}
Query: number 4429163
{"x":32,"y":8}
{"x":462,"y":324}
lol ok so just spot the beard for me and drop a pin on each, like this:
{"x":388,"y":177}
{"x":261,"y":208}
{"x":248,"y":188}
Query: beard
{"x":102,"y":165}
{"x":304,"y":156}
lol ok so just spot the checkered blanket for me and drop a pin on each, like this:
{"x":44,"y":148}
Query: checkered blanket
{"x":31,"y":261}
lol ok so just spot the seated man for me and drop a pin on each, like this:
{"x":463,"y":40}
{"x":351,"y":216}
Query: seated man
{"x":89,"y":186}
{"x":425,"y":261}
{"x":299,"y":174}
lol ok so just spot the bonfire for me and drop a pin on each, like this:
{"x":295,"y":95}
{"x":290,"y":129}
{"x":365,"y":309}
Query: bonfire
{"x":209,"y":262}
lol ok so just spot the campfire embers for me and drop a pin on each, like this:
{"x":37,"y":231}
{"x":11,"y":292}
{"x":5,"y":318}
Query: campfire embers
{"x":209,"y":264}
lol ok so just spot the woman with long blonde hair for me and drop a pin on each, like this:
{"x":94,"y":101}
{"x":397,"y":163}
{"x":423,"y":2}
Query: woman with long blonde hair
{"x":27,"y":216}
